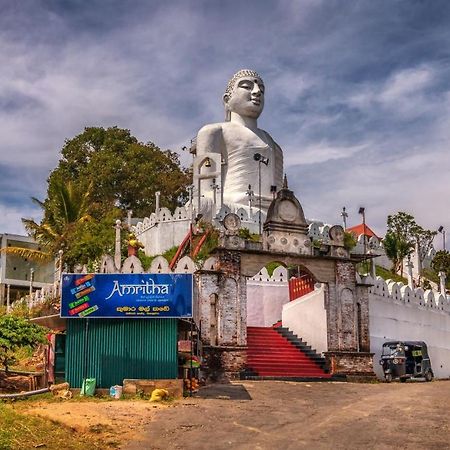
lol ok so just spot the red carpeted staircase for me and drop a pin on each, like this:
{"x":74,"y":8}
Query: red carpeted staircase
{"x":277,"y":353}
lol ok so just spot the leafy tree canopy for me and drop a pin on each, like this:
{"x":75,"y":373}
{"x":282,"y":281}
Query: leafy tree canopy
{"x":102,"y":174}
{"x":403,"y":236}
{"x":17,"y":332}
{"x":123,"y":172}
{"x":441,"y":263}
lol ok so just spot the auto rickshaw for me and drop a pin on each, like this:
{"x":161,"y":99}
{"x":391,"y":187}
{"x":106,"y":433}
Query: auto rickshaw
{"x":406,"y":359}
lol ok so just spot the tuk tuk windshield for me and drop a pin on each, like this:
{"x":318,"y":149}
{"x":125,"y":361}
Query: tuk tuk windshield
{"x":395,"y":350}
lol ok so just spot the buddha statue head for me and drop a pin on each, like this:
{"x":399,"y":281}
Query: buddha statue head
{"x":244,"y":95}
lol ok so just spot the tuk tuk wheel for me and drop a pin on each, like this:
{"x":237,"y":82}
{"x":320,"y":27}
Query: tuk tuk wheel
{"x":429,"y":376}
{"x":388,"y":377}
{"x":403,"y":379}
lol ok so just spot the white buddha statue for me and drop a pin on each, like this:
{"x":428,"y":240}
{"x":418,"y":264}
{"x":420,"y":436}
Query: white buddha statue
{"x":225,"y":166}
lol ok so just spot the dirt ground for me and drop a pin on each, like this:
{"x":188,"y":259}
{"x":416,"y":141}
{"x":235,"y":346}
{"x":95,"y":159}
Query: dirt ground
{"x":273,"y":414}
{"x":112,"y":420}
{"x":269,"y":415}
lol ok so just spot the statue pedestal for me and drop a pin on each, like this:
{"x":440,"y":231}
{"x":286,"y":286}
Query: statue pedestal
{"x":355,"y":366}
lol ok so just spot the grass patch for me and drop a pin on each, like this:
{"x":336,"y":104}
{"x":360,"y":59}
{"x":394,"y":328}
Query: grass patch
{"x":19,"y":431}
{"x":430,"y":274}
{"x":271,"y":267}
{"x":388,"y":275}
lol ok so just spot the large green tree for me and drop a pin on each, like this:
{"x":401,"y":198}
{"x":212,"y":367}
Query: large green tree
{"x":101,"y":175}
{"x":441,"y":263}
{"x":123,"y":172}
{"x":404,"y":236}
{"x":398,"y":241}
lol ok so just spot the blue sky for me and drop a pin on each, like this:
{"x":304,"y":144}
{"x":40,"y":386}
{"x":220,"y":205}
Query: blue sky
{"x":357,"y":92}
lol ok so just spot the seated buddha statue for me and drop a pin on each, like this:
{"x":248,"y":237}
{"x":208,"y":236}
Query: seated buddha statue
{"x":235,"y":159}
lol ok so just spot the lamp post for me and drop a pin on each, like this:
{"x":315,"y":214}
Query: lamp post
{"x":250,"y":195}
{"x":362,"y":211}
{"x":215,"y":187}
{"x":8,"y":298}
{"x":442,"y":230}
{"x":261,"y":160}
{"x":344,"y":216}
{"x":31,"y":286}
{"x":60,"y":271}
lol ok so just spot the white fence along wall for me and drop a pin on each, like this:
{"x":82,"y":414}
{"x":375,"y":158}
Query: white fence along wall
{"x":266,"y":296}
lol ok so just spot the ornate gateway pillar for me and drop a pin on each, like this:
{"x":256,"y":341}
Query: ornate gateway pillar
{"x":225,"y":357}
{"x":348,"y":325}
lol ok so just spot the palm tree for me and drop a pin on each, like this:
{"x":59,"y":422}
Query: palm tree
{"x":65,"y":207}
{"x":397,"y":249}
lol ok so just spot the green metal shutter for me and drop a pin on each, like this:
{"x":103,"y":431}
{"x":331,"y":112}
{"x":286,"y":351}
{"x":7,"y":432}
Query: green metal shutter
{"x":120,"y":348}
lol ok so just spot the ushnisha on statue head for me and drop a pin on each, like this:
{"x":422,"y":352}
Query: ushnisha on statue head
{"x":244,"y":95}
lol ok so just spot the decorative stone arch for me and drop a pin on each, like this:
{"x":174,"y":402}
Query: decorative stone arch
{"x":159,"y":265}
{"x":280,"y":274}
{"x":347,"y":323}
{"x":132,"y":265}
{"x":185,"y":265}
{"x":165,"y":215}
{"x":407,"y":294}
{"x":243,"y":215}
{"x":107,"y":264}
{"x":252,"y":263}
{"x":347,"y":334}
{"x":262,"y":275}
{"x":210,"y":263}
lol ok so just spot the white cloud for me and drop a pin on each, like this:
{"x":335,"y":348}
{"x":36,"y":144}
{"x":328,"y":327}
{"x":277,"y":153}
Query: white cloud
{"x":360,"y":106}
{"x":321,"y":152}
{"x":10,"y":218}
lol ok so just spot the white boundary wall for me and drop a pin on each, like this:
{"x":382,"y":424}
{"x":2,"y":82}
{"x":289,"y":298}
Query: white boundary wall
{"x":306,"y":317}
{"x":266,"y":296}
{"x":396,"y":312}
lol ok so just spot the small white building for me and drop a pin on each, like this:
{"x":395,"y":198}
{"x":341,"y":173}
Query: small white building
{"x":19,"y":275}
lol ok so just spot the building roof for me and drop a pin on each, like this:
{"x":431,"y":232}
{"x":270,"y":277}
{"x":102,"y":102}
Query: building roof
{"x":361,"y":229}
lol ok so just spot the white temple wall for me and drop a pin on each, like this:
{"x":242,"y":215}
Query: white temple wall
{"x":266,"y":296}
{"x":160,"y":232}
{"x":307,"y":318}
{"x":398,"y":313}
{"x":163,"y":235}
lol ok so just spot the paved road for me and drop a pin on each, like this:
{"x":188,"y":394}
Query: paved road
{"x":285,"y":415}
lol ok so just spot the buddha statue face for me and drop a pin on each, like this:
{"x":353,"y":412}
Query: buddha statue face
{"x":244,"y":95}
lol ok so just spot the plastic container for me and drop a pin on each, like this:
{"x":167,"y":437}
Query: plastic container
{"x":88,"y":387}
{"x":115,"y":391}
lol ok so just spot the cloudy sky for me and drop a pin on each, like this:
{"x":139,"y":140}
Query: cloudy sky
{"x":357,"y":92}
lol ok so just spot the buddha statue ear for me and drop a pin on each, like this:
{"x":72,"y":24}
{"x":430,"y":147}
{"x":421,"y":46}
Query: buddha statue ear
{"x":226,"y":98}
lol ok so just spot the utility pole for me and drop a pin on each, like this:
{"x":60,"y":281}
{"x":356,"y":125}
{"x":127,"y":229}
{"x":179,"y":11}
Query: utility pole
{"x":191,"y":216}
{"x":31,"y":288}
{"x":442,"y":230}
{"x":117,"y":250}
{"x":362,"y":211}
{"x":8,"y":298}
{"x":249,"y":193}
{"x":214,"y":186}
{"x":344,"y":216}
{"x":260,"y":159}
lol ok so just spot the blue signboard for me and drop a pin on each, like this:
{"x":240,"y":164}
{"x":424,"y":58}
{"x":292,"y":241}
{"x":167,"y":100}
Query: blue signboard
{"x":126,"y":295}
